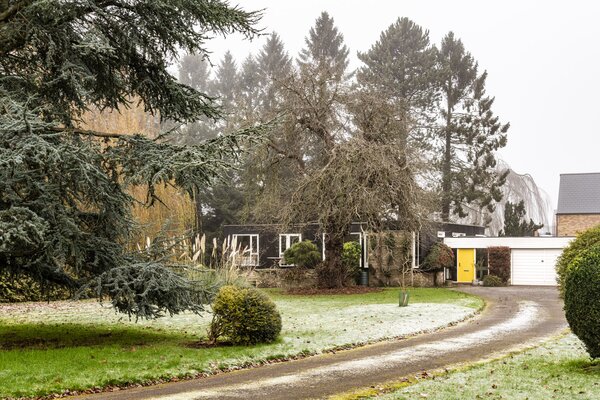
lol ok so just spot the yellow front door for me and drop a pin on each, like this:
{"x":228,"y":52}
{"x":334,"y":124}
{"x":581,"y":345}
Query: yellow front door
{"x":466,"y":265}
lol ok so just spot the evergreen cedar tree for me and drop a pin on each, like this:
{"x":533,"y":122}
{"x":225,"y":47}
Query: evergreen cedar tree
{"x":515,"y":223}
{"x":64,"y":212}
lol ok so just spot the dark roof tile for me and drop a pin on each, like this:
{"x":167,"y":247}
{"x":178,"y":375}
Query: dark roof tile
{"x":579,"y":194}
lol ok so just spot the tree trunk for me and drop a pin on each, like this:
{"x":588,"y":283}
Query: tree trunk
{"x":332,"y":273}
{"x":447,"y":166}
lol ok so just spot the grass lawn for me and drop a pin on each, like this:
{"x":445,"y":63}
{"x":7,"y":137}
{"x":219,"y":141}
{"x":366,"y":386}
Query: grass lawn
{"x":52,"y":347}
{"x":558,"y":369}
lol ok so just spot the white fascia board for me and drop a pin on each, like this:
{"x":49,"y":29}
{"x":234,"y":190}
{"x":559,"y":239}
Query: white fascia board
{"x":512,"y":242}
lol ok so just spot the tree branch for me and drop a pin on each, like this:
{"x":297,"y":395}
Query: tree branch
{"x":287,"y":154}
{"x":12,"y":10}
{"x":89,"y":132}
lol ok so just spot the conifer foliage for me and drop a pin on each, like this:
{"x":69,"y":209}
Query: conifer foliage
{"x":515,"y":223}
{"x":64,"y":212}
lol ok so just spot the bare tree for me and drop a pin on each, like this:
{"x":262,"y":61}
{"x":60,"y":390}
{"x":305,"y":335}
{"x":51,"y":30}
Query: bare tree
{"x":364,"y":180}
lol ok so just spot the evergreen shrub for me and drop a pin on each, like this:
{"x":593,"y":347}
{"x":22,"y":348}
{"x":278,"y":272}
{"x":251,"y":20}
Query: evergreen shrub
{"x":499,"y":262}
{"x":584,"y":240}
{"x":303,"y":254}
{"x":492,"y":281}
{"x":244,"y":316}
{"x":351,"y":253}
{"x":582,"y":298}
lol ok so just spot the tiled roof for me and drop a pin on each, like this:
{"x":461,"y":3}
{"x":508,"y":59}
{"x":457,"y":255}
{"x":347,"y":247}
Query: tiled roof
{"x":579,"y":194}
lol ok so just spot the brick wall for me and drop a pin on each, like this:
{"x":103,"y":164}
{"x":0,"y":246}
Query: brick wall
{"x":571,"y":224}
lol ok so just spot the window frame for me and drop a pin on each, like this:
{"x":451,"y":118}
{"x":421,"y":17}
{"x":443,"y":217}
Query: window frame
{"x":288,"y":244}
{"x":252,"y":259}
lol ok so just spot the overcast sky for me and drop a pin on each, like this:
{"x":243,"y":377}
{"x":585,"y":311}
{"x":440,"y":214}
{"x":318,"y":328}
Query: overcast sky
{"x":543,"y":60}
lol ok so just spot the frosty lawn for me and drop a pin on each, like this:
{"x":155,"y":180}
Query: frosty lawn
{"x":559,"y":369}
{"x":51,"y":347}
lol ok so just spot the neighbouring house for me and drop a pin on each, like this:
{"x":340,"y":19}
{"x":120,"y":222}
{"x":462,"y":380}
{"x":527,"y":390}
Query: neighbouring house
{"x":533,"y":259}
{"x":578,"y":203}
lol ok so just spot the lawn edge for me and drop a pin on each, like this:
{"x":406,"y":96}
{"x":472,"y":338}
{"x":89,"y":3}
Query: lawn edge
{"x":409,"y":380}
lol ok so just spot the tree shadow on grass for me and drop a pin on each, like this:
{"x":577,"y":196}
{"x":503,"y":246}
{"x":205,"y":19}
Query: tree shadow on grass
{"x":55,"y":336}
{"x":584,"y":366}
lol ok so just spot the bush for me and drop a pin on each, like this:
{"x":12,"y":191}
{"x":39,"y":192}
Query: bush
{"x":14,"y":289}
{"x":244,"y":316}
{"x":351,"y":253}
{"x":499,"y":262}
{"x":303,"y":254}
{"x":440,"y":256}
{"x":492,"y":281}
{"x":584,"y":240}
{"x":582,"y":298}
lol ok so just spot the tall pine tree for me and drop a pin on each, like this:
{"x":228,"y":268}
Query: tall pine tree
{"x":194,"y":71}
{"x":275,"y":67}
{"x":398,"y":83}
{"x":401,"y":68}
{"x":469,"y":136}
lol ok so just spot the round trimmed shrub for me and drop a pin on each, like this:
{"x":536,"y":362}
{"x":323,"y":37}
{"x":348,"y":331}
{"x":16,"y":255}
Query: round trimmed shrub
{"x":244,"y":316}
{"x":492,"y":281}
{"x":582,"y":298}
{"x":583,"y":241}
{"x":303,"y":254}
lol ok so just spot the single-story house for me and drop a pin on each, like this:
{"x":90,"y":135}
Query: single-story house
{"x":265,"y":244}
{"x":578,"y":203}
{"x":533,"y":259}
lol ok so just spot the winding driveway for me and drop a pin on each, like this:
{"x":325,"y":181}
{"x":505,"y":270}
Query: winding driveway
{"x":514,"y":316}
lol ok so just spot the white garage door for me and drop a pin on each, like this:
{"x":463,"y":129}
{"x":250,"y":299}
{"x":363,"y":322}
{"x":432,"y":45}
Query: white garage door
{"x":534,"y":266}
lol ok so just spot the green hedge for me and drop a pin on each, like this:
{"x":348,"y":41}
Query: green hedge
{"x":582,"y":298}
{"x":499,"y":262}
{"x":244,"y":316}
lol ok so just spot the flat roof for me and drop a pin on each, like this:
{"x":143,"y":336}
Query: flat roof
{"x":534,"y":242}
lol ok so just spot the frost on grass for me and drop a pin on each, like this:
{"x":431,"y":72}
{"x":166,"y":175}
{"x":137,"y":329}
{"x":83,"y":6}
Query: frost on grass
{"x":307,"y":325}
{"x":559,"y":369}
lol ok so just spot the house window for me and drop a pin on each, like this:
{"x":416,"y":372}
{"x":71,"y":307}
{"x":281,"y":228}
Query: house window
{"x":248,"y":248}
{"x":286,"y":241}
{"x":359,"y":239}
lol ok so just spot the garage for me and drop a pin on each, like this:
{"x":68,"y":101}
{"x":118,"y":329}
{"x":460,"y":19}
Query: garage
{"x":533,"y":259}
{"x":534,"y":266}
